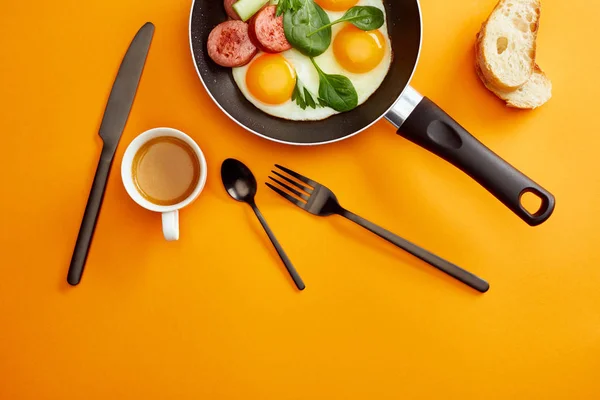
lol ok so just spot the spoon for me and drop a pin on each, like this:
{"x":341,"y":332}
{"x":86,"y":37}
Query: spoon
{"x":241,"y":185}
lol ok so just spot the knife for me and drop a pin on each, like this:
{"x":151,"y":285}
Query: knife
{"x":113,"y":123}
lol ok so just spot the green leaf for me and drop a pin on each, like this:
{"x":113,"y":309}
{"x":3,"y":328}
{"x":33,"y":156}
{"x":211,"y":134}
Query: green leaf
{"x":282,"y":6}
{"x":310,"y":102}
{"x":299,"y":22}
{"x":297,"y":96}
{"x":303,"y":97}
{"x":366,"y":18}
{"x":287,"y":5}
{"x":336,"y":91}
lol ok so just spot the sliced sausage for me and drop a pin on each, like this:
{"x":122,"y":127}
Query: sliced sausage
{"x":266,"y":30}
{"x":229,"y":44}
{"x":229,"y":9}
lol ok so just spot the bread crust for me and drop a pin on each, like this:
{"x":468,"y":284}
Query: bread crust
{"x":509,"y":96}
{"x":484,"y":65}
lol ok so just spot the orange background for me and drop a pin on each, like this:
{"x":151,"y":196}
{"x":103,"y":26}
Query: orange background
{"x":214,"y":316}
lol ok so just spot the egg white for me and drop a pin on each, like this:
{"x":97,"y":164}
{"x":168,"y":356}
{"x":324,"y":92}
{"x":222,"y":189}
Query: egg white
{"x":307,"y":74}
{"x":365,"y":84}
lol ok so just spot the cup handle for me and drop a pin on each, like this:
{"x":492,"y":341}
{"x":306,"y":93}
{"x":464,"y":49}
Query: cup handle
{"x":170,"y":223}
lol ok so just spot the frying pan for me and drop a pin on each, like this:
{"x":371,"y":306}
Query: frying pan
{"x":416,"y":117}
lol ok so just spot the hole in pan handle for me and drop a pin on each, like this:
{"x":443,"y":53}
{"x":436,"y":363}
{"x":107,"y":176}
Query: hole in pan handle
{"x":421,"y":121}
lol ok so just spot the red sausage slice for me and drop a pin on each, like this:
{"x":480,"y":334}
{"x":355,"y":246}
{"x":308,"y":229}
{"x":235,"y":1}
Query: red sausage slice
{"x":229,"y":44}
{"x":266,"y":30}
{"x":229,"y":9}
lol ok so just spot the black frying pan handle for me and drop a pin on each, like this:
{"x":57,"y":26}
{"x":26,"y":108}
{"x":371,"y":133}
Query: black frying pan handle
{"x":431,"y":128}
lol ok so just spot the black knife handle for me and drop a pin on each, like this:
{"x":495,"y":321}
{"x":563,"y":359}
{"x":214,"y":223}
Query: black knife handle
{"x":88,"y":225}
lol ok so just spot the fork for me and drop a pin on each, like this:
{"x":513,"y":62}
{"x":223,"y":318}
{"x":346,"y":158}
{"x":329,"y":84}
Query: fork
{"x":318,"y":200}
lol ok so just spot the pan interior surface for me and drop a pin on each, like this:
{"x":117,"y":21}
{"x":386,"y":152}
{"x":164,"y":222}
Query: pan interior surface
{"x":404,"y":25}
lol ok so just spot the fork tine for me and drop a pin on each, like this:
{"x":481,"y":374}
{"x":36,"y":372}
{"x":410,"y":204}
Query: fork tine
{"x":293,"y":182}
{"x":286,"y":196}
{"x":298,"y":176}
{"x":289,"y":188}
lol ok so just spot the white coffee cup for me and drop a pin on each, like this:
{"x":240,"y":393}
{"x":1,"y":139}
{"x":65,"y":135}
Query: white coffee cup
{"x":170,"y":214}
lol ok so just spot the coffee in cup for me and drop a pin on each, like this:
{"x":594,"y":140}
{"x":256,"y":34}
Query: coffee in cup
{"x":164,"y":170}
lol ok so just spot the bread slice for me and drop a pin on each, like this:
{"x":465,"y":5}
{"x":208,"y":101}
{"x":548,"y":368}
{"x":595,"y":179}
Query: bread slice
{"x":506,"y":44}
{"x":534,"y":93}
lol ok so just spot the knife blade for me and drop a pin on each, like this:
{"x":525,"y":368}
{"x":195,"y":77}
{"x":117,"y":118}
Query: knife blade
{"x":113,"y":123}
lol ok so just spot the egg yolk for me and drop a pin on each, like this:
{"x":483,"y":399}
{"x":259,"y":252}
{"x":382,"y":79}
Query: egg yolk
{"x":358,"y":51}
{"x":336,"y":5}
{"x":271,"y":79}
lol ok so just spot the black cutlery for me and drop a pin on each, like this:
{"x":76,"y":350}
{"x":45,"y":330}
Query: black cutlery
{"x":115,"y":117}
{"x":319,"y":200}
{"x":241,"y":185}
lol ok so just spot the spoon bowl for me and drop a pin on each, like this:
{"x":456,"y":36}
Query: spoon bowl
{"x":238,"y":180}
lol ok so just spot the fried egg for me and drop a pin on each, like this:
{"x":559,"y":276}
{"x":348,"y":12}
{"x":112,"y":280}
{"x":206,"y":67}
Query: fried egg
{"x":364,"y":57}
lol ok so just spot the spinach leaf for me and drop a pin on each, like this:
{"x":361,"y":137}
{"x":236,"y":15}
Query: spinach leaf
{"x":299,"y":23}
{"x":336,"y":91}
{"x":303,"y":97}
{"x":366,"y":18}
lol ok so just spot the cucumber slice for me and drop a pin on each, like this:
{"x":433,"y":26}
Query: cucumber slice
{"x":247,"y":8}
